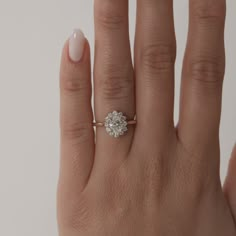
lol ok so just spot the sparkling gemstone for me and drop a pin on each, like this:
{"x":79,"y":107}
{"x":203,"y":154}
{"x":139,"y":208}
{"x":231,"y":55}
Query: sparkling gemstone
{"x":116,"y":124}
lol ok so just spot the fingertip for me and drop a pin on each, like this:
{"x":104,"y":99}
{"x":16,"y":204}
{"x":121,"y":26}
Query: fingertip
{"x":76,"y":49}
{"x":76,"y":46}
{"x":75,"y":68}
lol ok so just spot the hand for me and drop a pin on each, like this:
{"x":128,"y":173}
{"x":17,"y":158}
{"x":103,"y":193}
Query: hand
{"x":157,"y":179}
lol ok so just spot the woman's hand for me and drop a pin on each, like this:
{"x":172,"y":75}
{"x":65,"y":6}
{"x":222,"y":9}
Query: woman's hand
{"x":157,"y":179}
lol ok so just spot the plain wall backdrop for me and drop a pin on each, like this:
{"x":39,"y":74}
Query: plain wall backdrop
{"x":32,"y":34}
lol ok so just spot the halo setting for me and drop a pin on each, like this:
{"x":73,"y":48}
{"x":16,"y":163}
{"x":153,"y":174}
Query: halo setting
{"x":116,"y":124}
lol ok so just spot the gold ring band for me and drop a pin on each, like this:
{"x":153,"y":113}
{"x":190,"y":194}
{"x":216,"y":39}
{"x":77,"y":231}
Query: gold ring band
{"x":102,"y":124}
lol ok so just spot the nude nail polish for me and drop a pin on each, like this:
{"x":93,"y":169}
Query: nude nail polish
{"x":76,"y":45}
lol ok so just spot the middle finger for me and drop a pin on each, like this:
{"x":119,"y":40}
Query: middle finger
{"x":155,"y":50}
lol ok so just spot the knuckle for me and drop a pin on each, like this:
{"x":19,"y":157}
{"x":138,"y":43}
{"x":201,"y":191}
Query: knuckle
{"x":115,"y":184}
{"x":116,"y":88}
{"x":158,"y":58}
{"x":210,"y":11}
{"x":156,"y":174}
{"x":76,"y":216}
{"x":110,"y":22}
{"x":116,"y":84}
{"x":196,"y":174}
{"x":116,"y":180}
{"x":74,"y":84}
{"x":79,"y":132}
{"x":201,"y":183}
{"x":207,"y":70}
{"x":108,"y":17}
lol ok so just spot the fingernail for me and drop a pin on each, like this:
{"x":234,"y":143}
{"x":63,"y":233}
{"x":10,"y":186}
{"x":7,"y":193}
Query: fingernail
{"x":76,"y":45}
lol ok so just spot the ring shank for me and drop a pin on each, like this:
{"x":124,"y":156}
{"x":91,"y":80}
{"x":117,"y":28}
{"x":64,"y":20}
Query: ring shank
{"x":101,"y":124}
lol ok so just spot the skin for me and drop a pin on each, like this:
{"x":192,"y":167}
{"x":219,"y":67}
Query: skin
{"x":158,"y":179}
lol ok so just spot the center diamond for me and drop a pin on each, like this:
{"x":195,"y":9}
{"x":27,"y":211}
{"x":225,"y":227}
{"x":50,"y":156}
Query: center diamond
{"x":116,"y":124}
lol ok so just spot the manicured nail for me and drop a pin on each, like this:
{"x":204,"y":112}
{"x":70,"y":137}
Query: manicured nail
{"x":76,"y":45}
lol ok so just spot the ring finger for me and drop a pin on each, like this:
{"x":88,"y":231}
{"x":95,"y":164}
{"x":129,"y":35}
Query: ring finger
{"x":113,"y":72}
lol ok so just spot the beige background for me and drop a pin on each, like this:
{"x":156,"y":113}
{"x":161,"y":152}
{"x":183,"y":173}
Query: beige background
{"x":32,"y":34}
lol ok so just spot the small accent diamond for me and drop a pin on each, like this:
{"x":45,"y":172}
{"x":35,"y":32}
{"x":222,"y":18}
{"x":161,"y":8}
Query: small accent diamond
{"x":116,"y":124}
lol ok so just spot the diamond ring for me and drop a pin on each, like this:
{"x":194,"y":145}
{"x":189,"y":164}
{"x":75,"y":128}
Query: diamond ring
{"x":116,"y":124}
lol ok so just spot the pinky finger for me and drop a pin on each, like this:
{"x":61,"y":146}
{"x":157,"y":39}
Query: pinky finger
{"x":77,"y":134}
